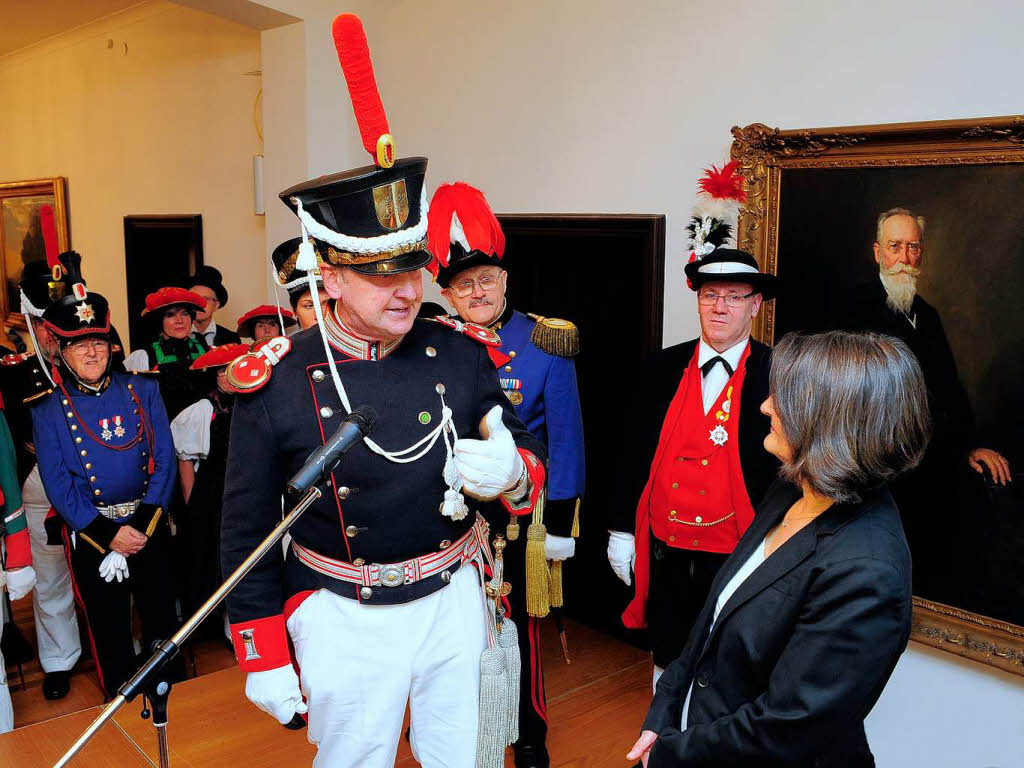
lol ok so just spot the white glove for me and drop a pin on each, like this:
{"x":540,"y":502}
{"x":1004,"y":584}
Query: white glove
{"x":622,"y":554}
{"x":276,"y":692}
{"x":21,"y":582}
{"x":492,"y":466}
{"x":559,"y":547}
{"x":114,"y":565}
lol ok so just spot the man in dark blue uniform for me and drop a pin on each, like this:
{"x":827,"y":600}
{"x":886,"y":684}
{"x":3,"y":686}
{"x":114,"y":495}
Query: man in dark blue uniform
{"x":538,"y":377}
{"x":108,"y":466}
{"x":378,"y":591}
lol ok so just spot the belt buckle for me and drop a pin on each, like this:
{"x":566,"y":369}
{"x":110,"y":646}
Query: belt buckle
{"x":392,"y":575}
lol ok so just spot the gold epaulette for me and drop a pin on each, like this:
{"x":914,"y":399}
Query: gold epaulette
{"x":555,"y":336}
{"x":151,"y":372}
{"x":37,"y":396}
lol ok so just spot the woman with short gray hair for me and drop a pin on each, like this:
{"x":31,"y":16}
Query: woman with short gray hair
{"x":807,"y":618}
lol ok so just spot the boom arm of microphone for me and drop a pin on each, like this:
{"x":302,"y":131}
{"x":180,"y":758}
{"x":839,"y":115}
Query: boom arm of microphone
{"x":324,"y":459}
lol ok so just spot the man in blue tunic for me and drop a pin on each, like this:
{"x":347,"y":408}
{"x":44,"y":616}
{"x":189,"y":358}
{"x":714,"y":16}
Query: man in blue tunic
{"x":538,"y":377}
{"x":108,"y":466}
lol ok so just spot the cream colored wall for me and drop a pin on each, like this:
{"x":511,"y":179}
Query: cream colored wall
{"x":162,"y":122}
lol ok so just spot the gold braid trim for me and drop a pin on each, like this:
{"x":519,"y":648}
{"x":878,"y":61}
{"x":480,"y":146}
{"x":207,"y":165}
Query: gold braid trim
{"x":86,"y":539}
{"x":344,"y":258}
{"x":556,"y":337}
{"x":575,"y":532}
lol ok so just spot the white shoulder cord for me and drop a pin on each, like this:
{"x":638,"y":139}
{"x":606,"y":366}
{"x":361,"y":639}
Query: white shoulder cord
{"x":277,"y":297}
{"x":25,"y":304}
{"x":454,"y":504}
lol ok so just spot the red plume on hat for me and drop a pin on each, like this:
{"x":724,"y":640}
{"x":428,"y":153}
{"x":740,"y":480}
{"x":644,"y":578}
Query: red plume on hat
{"x":459,"y":213}
{"x":49,"y":226}
{"x":354,"y":56}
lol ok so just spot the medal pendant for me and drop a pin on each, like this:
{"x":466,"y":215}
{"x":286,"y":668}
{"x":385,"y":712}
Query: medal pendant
{"x":106,"y":434}
{"x":514,"y":396}
{"x":718,"y":435}
{"x":118,"y":429}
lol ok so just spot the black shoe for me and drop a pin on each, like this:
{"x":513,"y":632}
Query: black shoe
{"x":56,"y":685}
{"x":531,"y":756}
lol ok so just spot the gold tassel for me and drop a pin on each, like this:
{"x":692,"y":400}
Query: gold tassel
{"x":512,"y":529}
{"x":575,"y":532}
{"x":555,"y":585}
{"x":537,"y":601}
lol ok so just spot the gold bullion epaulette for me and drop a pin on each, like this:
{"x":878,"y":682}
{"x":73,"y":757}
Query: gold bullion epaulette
{"x":555,"y":336}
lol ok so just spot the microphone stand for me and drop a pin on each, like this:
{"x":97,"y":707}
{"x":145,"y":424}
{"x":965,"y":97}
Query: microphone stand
{"x":149,"y":679}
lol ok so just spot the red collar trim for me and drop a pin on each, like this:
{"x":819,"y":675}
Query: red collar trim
{"x":343,"y":340}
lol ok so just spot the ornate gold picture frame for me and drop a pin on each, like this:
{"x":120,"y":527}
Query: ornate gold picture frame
{"x":21,"y":238}
{"x":814,"y":197}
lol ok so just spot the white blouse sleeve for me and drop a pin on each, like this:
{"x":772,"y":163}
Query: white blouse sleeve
{"x":190,"y":431}
{"x":137,"y":361}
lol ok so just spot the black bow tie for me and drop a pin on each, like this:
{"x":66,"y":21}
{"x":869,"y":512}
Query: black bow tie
{"x":706,"y":368}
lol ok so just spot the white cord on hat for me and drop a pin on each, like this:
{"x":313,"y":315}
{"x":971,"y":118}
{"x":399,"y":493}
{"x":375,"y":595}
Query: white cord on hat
{"x":377,"y":244}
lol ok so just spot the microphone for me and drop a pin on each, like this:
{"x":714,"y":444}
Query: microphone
{"x":324,"y":459}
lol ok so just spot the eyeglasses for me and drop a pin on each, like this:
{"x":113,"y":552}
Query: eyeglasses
{"x":89,"y":345}
{"x":895,"y":246}
{"x":709,"y":299}
{"x":464,"y":288}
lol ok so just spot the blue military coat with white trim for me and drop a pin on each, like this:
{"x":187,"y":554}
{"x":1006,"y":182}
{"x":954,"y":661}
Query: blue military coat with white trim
{"x":377,"y":511}
{"x":550,"y":408}
{"x":82,"y":472}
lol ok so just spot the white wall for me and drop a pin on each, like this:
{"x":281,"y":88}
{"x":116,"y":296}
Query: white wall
{"x":160,"y":123}
{"x":941,"y":711}
{"x":607,"y":106}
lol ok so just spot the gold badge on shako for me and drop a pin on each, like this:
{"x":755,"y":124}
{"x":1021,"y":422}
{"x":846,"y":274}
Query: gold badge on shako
{"x":391,"y":203}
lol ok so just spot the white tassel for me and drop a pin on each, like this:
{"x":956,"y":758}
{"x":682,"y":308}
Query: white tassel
{"x":492,"y":730}
{"x":307,"y":257}
{"x":508,"y":639}
{"x":454,"y":505}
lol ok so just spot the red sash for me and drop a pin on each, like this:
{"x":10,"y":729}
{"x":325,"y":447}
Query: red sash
{"x":688,"y":396}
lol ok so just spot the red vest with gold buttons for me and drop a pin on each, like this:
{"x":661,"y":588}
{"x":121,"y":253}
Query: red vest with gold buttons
{"x":694,"y":503}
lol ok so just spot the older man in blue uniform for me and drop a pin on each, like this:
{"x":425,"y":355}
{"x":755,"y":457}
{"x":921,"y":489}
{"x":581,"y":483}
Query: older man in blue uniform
{"x":538,"y":377}
{"x":108,"y":466}
{"x":378,"y":592}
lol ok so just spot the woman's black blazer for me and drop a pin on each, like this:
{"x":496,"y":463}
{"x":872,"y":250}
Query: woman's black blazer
{"x":801,"y":651}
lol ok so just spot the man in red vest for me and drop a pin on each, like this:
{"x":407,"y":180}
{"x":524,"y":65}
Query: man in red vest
{"x":703,"y":463}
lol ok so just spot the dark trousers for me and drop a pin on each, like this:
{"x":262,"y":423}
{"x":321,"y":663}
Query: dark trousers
{"x":108,"y":606}
{"x":680,"y":583}
{"x":533,"y":708}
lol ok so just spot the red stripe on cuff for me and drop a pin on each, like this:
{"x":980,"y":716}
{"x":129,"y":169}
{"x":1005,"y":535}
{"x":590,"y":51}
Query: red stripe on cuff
{"x":535,"y":471}
{"x":19,"y":549}
{"x":261,"y":644}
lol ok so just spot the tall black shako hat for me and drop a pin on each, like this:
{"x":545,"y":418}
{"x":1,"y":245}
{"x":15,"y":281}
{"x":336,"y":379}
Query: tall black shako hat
{"x":212,"y":279}
{"x":729,"y":265}
{"x":78,"y":315}
{"x":285,"y":258}
{"x":462,"y":232}
{"x":372,"y":219}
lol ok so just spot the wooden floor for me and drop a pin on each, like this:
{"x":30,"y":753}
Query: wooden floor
{"x":595,"y":706}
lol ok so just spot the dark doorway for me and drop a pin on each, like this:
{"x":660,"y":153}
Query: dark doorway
{"x":158,"y":251}
{"x":605,"y":273}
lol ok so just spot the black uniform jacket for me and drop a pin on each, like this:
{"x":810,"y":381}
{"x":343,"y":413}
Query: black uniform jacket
{"x":391,"y":512}
{"x":225,"y":336}
{"x":651,"y":395}
{"x":801,"y":651}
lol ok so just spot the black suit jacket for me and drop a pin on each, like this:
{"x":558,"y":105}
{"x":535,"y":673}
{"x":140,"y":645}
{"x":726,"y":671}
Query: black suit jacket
{"x":953,"y":421}
{"x":653,"y":391}
{"x":801,"y":652}
{"x":225,"y":336}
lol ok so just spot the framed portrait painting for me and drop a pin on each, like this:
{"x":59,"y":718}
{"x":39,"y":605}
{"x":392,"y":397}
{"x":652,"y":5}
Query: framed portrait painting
{"x":916,"y":230}
{"x":21,"y":235}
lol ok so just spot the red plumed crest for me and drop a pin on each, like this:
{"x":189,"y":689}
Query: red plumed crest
{"x":725,"y":183}
{"x":482,"y":230}
{"x":49,"y":226}
{"x":354,"y":55}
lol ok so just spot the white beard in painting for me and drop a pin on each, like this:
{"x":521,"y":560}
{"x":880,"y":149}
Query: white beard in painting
{"x":900,"y":282}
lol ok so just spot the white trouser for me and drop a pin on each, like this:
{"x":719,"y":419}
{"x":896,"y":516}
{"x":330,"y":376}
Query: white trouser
{"x":6,"y":709}
{"x":360,"y":664}
{"x":53,"y":602}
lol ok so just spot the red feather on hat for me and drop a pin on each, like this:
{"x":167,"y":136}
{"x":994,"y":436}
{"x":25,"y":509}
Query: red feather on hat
{"x":482,"y":229}
{"x":725,"y":183}
{"x":354,"y":55}
{"x":49,"y":226}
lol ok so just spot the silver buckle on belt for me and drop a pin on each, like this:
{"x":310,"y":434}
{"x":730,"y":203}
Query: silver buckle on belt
{"x":392,"y":574}
{"x":119,"y":511}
